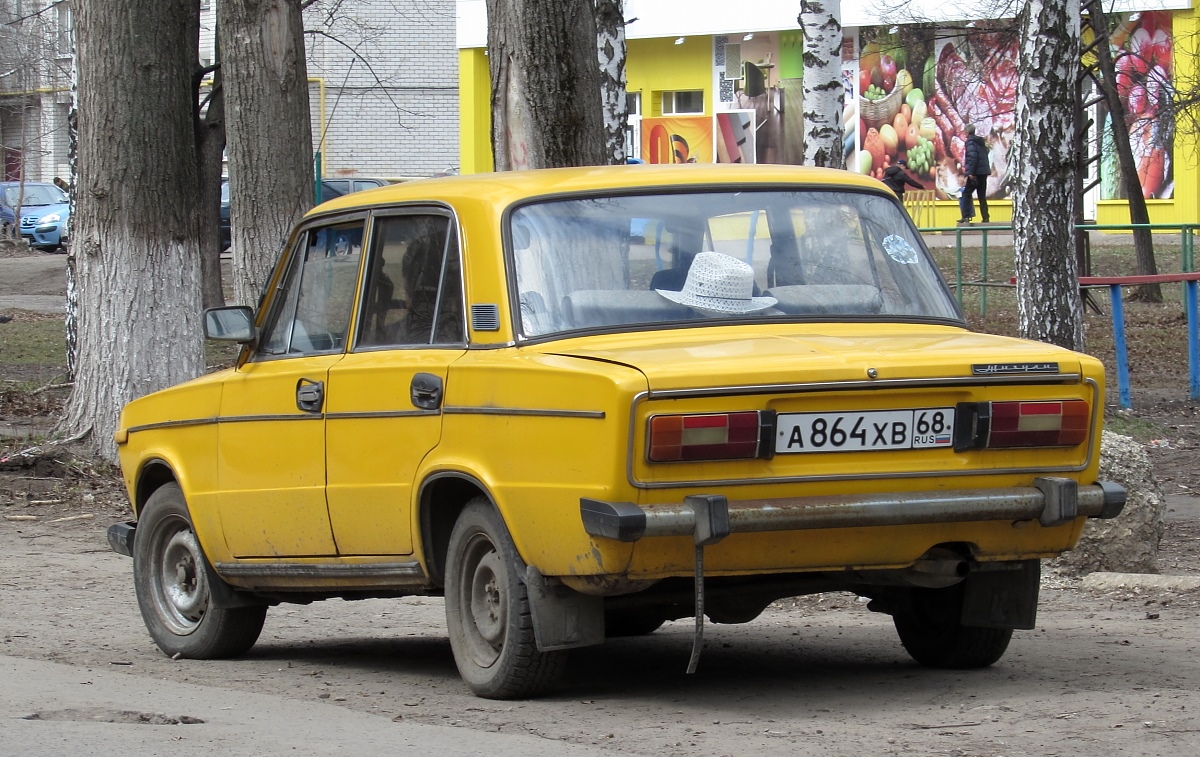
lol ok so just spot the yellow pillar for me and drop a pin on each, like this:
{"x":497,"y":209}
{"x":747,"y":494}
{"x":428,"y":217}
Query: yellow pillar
{"x":474,"y":112}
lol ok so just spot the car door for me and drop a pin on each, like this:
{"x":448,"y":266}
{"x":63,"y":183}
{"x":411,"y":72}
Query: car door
{"x":271,"y":461}
{"x":384,"y":406}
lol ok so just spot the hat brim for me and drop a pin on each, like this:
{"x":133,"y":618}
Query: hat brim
{"x":719,"y":305}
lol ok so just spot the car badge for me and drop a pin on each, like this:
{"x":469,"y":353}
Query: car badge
{"x":990,"y":369}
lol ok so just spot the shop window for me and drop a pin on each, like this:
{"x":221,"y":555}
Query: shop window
{"x":689,"y":101}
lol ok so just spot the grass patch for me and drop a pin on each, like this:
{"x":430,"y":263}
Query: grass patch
{"x":1139,"y":428}
{"x":33,"y":342}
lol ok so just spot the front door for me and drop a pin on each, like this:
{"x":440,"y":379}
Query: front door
{"x":271,"y":464}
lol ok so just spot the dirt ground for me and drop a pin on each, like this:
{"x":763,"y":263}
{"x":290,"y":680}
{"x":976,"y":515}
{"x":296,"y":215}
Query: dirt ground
{"x":1114,"y":671}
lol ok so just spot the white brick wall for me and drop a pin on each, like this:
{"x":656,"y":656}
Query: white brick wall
{"x":391,"y":88}
{"x":391,"y":92}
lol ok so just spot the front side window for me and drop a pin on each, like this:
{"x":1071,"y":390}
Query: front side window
{"x":311,"y":312}
{"x":414,"y":284}
{"x":637,"y":261}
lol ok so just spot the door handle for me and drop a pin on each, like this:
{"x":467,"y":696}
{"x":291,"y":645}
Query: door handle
{"x":426,"y":391}
{"x":310,"y":395}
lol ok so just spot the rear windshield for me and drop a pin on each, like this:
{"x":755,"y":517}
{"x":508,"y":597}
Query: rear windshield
{"x":650,"y":259}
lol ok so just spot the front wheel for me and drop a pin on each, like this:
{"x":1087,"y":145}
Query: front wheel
{"x":931,"y":631}
{"x":171,"y":579}
{"x":487,"y":611}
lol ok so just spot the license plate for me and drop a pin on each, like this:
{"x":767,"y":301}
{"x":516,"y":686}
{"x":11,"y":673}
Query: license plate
{"x":921,"y":428}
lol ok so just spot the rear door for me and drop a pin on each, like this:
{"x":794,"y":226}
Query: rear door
{"x":271,"y":464}
{"x":385,"y":397}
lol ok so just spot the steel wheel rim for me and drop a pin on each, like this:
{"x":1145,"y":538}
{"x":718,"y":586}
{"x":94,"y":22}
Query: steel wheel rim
{"x":483,"y":598}
{"x":180,"y":586}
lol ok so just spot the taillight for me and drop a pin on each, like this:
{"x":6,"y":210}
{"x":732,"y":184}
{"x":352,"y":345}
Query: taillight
{"x":1062,"y":423}
{"x":716,"y":436}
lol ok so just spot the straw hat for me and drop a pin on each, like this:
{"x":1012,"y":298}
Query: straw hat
{"x":719,"y":284}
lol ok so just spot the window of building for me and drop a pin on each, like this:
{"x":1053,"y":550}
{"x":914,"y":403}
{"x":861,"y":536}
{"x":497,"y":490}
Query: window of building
{"x":689,"y":101}
{"x":65,"y":44}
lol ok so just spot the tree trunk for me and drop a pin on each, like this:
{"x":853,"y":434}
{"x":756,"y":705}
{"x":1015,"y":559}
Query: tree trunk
{"x":610,"y":44}
{"x":269,"y":132}
{"x":1143,"y":239}
{"x":136,"y":237}
{"x":545,"y":84}
{"x":210,"y":149}
{"x":1044,"y":155}
{"x":824,"y":95}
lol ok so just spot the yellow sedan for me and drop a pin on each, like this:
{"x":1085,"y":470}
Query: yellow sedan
{"x":580,"y":403}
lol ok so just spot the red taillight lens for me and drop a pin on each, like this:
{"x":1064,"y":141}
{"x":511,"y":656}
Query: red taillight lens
{"x":1039,"y":424}
{"x":719,"y":436}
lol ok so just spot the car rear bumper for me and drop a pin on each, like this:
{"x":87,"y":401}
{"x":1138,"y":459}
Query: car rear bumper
{"x":1052,"y":501}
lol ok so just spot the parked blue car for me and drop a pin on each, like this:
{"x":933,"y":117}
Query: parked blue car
{"x":45,"y":212}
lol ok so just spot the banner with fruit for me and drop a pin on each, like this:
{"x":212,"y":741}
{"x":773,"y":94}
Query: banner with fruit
{"x":920,"y":85}
{"x":1142,"y":55}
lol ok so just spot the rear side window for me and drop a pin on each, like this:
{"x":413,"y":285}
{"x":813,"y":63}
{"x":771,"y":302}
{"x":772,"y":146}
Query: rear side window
{"x":413,"y":293}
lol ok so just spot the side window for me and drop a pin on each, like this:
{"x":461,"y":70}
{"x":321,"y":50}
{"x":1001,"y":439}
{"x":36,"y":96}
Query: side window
{"x":312,"y":313}
{"x":414,"y":284}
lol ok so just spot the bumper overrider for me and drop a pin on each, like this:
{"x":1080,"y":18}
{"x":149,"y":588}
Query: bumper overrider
{"x":1052,"y":501}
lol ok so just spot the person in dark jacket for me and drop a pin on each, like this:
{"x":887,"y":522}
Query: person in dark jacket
{"x":977,"y":169}
{"x":896,"y":176}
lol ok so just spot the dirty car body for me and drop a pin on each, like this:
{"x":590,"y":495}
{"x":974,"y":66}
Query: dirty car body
{"x":484,"y":388}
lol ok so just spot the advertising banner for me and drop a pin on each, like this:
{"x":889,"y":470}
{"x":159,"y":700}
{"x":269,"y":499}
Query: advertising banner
{"x":677,"y":139}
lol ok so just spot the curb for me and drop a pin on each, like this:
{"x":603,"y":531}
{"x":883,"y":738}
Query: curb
{"x":1108,"y":581}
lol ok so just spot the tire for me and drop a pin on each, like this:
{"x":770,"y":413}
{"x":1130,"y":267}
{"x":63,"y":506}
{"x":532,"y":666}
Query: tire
{"x":171,"y":578}
{"x":487,"y":611}
{"x":932,"y":634}
{"x":632,"y":622}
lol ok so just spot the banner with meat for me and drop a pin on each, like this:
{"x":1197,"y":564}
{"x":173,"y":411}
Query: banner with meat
{"x":1142,"y":55}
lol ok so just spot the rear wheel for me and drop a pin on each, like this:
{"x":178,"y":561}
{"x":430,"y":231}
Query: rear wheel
{"x":931,"y":631}
{"x":487,"y":611}
{"x":171,"y":579}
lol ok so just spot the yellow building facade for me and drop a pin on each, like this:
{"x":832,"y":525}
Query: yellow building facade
{"x":694,"y":78}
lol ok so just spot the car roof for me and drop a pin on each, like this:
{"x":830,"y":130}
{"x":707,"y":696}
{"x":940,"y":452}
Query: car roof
{"x":504,"y":188}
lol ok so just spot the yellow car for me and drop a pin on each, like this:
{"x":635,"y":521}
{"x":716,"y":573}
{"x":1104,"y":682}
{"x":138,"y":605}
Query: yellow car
{"x":579,"y":403}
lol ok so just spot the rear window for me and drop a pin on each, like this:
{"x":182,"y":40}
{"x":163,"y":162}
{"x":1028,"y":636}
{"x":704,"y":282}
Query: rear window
{"x":651,"y":259}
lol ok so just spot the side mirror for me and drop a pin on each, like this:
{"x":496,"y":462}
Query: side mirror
{"x":229,"y":324}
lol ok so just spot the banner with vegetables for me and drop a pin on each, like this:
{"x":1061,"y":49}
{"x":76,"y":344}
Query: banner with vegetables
{"x":1142,"y":56}
{"x":919,"y":86}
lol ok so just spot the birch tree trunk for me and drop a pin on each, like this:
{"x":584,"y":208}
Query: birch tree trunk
{"x":268,"y":132}
{"x":610,"y":45}
{"x":824,"y":95}
{"x":136,"y":236}
{"x":1044,"y":156}
{"x":545,"y":84}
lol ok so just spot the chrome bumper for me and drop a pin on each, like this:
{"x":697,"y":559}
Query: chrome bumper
{"x":1052,"y":501}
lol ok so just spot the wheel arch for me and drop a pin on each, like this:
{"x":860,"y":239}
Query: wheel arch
{"x":154,"y":474}
{"x":442,"y":498}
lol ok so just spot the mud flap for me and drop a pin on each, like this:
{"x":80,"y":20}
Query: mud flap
{"x":562,"y":617}
{"x":1005,"y":596}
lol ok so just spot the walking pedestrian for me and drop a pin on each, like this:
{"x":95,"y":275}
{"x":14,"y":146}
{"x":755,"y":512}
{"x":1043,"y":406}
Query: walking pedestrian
{"x":977,"y":169}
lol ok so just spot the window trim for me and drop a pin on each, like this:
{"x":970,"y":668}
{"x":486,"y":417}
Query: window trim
{"x":417,"y":209}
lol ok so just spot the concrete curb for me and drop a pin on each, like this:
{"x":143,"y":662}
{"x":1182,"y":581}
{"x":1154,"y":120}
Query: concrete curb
{"x":1109,"y":581}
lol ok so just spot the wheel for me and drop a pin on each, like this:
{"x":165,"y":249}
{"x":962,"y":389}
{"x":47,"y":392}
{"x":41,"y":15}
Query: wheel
{"x":487,"y":611}
{"x":931,"y":632}
{"x":171,"y":579}
{"x":632,"y":622}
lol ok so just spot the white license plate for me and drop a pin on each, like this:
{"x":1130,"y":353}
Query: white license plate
{"x":922,"y":428}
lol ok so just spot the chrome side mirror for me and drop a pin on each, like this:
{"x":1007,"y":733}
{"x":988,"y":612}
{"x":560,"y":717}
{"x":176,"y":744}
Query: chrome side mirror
{"x":229,"y":324}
